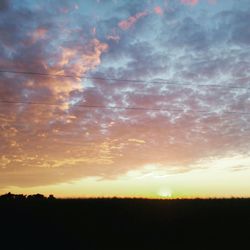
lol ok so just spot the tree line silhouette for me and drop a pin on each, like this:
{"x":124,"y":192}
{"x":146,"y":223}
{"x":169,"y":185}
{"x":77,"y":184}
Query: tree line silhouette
{"x":37,"y":222}
{"x":10,"y":197}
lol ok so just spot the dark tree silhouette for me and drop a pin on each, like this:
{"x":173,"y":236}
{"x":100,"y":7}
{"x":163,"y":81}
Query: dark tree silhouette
{"x":36,"y":197}
{"x":51,"y":197}
{"x":10,"y":196}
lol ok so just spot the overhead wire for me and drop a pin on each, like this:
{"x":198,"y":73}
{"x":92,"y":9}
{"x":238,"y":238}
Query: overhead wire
{"x":122,"y":107}
{"x":161,"y":81}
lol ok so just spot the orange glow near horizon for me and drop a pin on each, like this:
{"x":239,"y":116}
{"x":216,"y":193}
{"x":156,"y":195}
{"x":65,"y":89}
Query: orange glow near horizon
{"x":153,"y":183}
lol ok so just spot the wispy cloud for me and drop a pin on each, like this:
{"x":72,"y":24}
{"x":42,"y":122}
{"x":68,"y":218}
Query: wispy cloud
{"x":131,"y":21}
{"x":190,"y":2}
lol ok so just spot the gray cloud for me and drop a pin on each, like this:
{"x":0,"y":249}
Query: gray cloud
{"x":4,"y":5}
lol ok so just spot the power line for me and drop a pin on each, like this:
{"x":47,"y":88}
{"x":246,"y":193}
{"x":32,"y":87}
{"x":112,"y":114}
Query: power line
{"x":121,"y":107}
{"x":162,"y":81}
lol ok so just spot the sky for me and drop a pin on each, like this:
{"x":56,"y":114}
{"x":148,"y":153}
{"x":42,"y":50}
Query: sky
{"x":171,"y":136}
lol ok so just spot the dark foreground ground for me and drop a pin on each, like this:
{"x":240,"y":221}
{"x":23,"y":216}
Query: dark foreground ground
{"x":125,"y":224}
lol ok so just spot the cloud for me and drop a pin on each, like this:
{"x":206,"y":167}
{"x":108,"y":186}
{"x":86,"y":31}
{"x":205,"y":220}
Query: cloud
{"x":47,"y":144}
{"x":115,"y":38}
{"x":212,"y":1}
{"x":158,"y":10}
{"x":128,"y":23}
{"x":38,"y":34}
{"x":190,"y":2}
{"x":4,"y":5}
{"x":136,"y":141}
{"x":195,"y":2}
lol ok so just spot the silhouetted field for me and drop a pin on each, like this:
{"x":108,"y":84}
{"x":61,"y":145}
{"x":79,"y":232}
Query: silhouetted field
{"x":124,"y":224}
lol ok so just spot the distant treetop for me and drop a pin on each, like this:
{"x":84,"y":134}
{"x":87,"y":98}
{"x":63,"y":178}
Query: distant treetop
{"x":10,"y":196}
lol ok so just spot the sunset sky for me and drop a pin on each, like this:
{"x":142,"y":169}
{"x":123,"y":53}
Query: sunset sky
{"x":169,"y":135}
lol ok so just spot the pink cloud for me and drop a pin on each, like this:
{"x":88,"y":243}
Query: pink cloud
{"x":194,"y":2}
{"x":64,"y":10}
{"x":115,"y":38}
{"x":190,"y":2}
{"x":158,"y":10}
{"x":38,"y":34}
{"x":128,"y":23}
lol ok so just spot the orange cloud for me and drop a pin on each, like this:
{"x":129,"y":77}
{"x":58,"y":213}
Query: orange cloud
{"x":158,"y":10}
{"x":76,"y":60}
{"x":128,"y":23}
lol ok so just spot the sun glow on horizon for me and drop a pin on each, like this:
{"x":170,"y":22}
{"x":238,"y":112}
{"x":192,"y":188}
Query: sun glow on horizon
{"x":152,"y":182}
{"x":166,"y":193}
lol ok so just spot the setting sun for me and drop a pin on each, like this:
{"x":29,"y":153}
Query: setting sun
{"x":165,"y":193}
